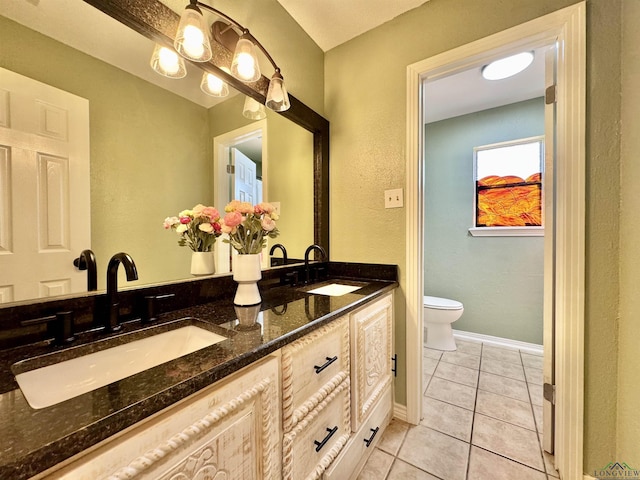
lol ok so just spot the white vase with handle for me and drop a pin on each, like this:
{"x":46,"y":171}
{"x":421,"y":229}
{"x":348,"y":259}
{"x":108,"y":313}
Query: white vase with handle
{"x":246,"y":272}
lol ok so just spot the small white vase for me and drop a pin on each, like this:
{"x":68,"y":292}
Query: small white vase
{"x":202,"y":263}
{"x":246,"y":272}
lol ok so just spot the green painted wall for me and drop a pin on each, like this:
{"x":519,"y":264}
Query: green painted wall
{"x":498,"y":279}
{"x":364,"y":100}
{"x":628,"y":424}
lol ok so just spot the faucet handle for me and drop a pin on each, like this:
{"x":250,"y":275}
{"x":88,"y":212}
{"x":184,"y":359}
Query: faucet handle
{"x":60,"y":326}
{"x":151,"y":307}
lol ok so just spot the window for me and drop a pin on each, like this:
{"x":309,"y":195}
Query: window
{"x":508,"y":188}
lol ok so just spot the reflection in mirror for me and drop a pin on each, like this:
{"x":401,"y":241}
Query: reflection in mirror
{"x":151,"y":150}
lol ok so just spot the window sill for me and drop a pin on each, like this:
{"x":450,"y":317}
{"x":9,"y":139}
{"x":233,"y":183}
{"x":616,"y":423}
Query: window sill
{"x":507,"y":231}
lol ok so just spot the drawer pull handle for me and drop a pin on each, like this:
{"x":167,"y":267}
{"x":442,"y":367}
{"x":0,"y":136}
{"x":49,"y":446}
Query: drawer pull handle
{"x":374,"y":432}
{"x":322,"y":367}
{"x":331,"y":431}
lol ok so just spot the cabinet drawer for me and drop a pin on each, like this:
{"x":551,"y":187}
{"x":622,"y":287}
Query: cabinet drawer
{"x":312,"y":367}
{"x":311,"y":446}
{"x":357,"y":451}
{"x":371,"y":341}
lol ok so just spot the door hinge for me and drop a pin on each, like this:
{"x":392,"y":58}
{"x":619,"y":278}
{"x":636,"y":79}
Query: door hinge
{"x":549,"y":393}
{"x":550,"y":95}
{"x":394,"y":362}
{"x":231,"y":169}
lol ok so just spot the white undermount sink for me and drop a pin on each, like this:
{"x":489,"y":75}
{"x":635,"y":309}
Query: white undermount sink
{"x":56,"y":383}
{"x":334,"y":289}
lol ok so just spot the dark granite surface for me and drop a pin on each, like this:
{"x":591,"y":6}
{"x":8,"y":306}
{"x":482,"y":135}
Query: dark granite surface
{"x":35,"y":440}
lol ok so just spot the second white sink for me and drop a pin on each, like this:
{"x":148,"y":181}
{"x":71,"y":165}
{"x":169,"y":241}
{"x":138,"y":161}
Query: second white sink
{"x":56,"y":383}
{"x":334,"y":289}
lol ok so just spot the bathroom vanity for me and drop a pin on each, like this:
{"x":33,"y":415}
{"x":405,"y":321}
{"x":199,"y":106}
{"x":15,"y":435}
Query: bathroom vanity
{"x":304,"y":391}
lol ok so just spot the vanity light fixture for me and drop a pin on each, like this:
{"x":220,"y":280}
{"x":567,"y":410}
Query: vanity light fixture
{"x":192,"y":42}
{"x":214,"y":86}
{"x":508,"y":66}
{"x":253,"y":109}
{"x":167,"y":62}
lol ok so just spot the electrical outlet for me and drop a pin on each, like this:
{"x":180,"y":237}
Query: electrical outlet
{"x":393,"y":198}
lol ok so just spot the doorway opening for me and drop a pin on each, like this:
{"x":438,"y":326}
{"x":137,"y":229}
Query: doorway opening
{"x":564,"y":260}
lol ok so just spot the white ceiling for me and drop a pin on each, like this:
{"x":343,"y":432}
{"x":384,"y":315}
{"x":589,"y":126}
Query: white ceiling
{"x":332,"y":22}
{"x":325,"y":21}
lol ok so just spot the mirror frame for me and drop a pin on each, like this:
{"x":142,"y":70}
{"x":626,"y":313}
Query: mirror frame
{"x":158,"y":22}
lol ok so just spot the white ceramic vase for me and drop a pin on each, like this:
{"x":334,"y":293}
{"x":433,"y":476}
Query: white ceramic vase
{"x":202,"y":263}
{"x":246,"y":272}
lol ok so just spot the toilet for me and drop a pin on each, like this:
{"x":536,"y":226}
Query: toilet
{"x":439,"y":314}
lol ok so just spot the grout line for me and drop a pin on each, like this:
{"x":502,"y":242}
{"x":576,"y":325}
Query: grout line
{"x":473,"y":417}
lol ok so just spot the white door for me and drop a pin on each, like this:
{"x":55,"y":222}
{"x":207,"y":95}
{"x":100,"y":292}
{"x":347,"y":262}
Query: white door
{"x":549,"y":308}
{"x":44,"y":189}
{"x":244,"y":177}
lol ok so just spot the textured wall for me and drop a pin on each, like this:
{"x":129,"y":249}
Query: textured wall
{"x":365,"y":97}
{"x":498,"y":279}
{"x":629,"y":330}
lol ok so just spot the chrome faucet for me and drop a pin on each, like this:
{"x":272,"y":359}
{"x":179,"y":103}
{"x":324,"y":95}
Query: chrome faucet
{"x":284,"y":252}
{"x":113,"y":322}
{"x":87,"y":261}
{"x":323,"y":253}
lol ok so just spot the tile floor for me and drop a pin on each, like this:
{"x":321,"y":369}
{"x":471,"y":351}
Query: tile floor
{"x":482,"y":409}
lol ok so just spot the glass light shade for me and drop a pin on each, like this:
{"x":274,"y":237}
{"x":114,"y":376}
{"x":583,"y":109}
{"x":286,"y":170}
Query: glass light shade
{"x":191,"y":40}
{"x":214,"y":86}
{"x":245,"y":65}
{"x":167,"y":62}
{"x":253,"y":109}
{"x":507,"y":67}
{"x":277,"y":96}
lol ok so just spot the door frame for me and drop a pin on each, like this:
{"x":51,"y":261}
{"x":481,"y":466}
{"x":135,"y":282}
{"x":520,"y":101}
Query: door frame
{"x":567,"y":27}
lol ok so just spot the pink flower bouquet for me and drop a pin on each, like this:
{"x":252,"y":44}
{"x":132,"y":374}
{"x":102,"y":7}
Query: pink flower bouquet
{"x":249,"y":226}
{"x":197,"y":228}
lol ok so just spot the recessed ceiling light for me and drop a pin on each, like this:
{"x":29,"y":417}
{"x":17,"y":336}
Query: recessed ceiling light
{"x":507,"y":67}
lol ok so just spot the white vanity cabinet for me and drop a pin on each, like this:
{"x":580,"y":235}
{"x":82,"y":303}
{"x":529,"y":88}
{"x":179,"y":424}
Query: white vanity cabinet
{"x":371,"y":382}
{"x":316,"y":400}
{"x":230,"y":430}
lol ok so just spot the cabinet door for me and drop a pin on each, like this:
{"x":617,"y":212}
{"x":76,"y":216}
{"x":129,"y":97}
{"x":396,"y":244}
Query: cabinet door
{"x":371,"y":341}
{"x":230,"y":431}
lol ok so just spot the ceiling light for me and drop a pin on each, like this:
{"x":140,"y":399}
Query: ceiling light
{"x":507,"y":67}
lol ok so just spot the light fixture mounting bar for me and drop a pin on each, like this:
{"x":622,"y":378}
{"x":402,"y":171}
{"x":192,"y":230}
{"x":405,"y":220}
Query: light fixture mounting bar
{"x":245,"y":31}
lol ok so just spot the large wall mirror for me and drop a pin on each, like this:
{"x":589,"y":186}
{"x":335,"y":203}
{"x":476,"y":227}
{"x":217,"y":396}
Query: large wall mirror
{"x":152,"y":139}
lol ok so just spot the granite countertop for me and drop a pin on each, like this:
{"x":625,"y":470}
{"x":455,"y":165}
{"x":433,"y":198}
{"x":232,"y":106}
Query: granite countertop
{"x":35,"y":440}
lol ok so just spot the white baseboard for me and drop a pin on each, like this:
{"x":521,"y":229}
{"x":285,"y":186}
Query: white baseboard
{"x":499,"y":342}
{"x":400,"y":412}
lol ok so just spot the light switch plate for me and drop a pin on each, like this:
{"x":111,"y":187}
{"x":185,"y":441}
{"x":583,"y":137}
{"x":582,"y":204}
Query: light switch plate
{"x":393,"y":198}
{"x":276,"y":206}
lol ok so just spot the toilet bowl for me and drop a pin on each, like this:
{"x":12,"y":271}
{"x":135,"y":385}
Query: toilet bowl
{"x":439,"y":314}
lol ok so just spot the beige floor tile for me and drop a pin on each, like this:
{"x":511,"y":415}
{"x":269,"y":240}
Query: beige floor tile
{"x":537,"y":415}
{"x":447,"y":418}
{"x":377,"y":466}
{"x":485,"y":465}
{"x":403,"y":471}
{"x":462,"y":359}
{"x":435,"y":453}
{"x":501,"y":354}
{"x":451,"y":392}
{"x":456,"y":373}
{"x":429,"y":365}
{"x":508,"y":440}
{"x":393,"y":436}
{"x":431,"y":353}
{"x":548,"y":465}
{"x":533,"y":375}
{"x":535,"y":394}
{"x":529,"y":360}
{"x":466,"y":346}
{"x":503,"y":386}
{"x":503,"y":369}
{"x":506,"y":409}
